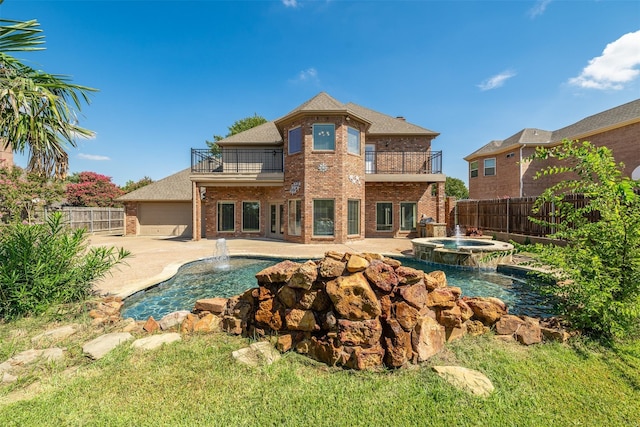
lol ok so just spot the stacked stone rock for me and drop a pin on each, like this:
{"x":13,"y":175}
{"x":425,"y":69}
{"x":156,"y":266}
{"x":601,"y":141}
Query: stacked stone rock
{"x":359,"y":310}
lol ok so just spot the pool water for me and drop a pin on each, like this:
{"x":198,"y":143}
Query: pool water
{"x":205,"y":279}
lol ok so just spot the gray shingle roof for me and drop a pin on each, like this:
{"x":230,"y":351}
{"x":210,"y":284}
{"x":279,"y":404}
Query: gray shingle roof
{"x":380,"y":124}
{"x":614,"y":117}
{"x":176,"y":187}
{"x":266,"y":133}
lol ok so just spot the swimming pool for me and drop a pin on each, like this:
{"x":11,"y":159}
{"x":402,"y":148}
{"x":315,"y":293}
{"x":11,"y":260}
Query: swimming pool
{"x":206,"y":279}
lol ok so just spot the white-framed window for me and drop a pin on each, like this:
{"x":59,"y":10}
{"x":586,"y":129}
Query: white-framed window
{"x":473,"y":169}
{"x":353,"y":217}
{"x":295,"y":217}
{"x":226,"y":216}
{"x":384,"y":216}
{"x":250,"y":216}
{"x":324,"y":137}
{"x":408,"y":212}
{"x":353,"y":140}
{"x":295,"y":140}
{"x":489,"y":167}
{"x":323,"y":217}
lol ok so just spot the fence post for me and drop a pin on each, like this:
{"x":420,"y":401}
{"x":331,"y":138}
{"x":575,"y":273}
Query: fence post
{"x":508,"y":215}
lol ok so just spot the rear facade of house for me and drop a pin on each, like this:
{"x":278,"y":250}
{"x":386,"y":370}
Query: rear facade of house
{"x":325,"y":172}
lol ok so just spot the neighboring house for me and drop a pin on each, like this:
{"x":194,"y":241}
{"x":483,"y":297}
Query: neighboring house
{"x":500,"y":169}
{"x":6,"y":156}
{"x":325,"y":172}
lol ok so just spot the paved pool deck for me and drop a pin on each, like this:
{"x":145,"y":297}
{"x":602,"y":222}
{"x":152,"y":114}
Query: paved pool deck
{"x":155,"y":259}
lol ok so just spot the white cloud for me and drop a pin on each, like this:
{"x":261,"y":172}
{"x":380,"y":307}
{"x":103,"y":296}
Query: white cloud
{"x":93,"y":157}
{"x":539,"y":8}
{"x":496,"y":81}
{"x":617,"y":65}
{"x":308,"y":75}
{"x":290,"y":3}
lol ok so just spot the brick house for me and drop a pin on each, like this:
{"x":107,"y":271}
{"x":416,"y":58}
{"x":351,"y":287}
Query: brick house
{"x":6,"y":156}
{"x":499,"y":169}
{"x":325,"y":172}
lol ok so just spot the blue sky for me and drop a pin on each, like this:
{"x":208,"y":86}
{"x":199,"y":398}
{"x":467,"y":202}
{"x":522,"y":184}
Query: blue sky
{"x":173,"y":74}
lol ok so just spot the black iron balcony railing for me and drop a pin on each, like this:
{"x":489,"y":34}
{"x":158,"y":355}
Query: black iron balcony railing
{"x":403,"y":162}
{"x":237,"y":160}
{"x":240,"y":160}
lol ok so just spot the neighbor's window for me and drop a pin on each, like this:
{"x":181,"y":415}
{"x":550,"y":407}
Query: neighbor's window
{"x":250,"y":216}
{"x":226,"y":216}
{"x":473,"y":169}
{"x":323,"y":217}
{"x":384,"y":216}
{"x":295,"y":217}
{"x":489,"y":167}
{"x":353,"y":217}
{"x":353,"y":142}
{"x":408,"y":216}
{"x":295,"y":140}
{"x":324,"y":137}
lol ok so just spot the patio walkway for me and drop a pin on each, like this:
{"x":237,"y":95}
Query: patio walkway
{"x":156,"y":259}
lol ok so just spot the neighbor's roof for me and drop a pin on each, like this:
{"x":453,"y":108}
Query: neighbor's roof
{"x":615,"y":117}
{"x":176,"y":187}
{"x":609,"y":119}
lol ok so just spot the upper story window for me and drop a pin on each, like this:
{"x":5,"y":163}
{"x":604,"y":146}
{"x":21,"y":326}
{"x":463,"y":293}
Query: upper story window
{"x":353,"y":142}
{"x":473,"y":169}
{"x":489,"y":167}
{"x":324,"y":137}
{"x":295,"y":140}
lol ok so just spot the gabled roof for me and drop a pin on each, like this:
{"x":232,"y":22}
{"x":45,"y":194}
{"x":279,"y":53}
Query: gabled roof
{"x":176,"y":187}
{"x":380,"y":124}
{"x":266,"y":133}
{"x":525,"y":136}
{"x":613,"y":118}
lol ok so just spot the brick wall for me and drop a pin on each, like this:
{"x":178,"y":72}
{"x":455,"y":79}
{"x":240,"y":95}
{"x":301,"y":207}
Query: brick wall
{"x":131,"y":219}
{"x":624,"y":142}
{"x":336,"y":175}
{"x":397,"y":193}
{"x":6,"y":156}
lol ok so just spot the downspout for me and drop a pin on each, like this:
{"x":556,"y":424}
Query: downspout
{"x":520,"y":171}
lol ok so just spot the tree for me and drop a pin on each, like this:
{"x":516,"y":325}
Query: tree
{"x":454,"y":187}
{"x":130,"y":185}
{"x":38,"y":111}
{"x":93,"y":189}
{"x":21,"y":194}
{"x":237,"y":127}
{"x":598,"y":270}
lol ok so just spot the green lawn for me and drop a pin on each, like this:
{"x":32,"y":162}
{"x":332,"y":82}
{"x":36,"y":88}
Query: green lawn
{"x":196,"y":382}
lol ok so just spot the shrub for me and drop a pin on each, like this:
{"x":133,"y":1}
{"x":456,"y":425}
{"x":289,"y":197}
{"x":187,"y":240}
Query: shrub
{"x":46,"y":264}
{"x":598,"y":270}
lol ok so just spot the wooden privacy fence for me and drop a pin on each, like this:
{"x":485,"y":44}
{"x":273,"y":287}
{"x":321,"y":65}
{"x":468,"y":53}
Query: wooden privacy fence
{"x":95,"y":220}
{"x":511,"y":215}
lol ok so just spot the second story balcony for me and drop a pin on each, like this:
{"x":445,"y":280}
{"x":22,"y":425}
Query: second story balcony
{"x":267,"y":164}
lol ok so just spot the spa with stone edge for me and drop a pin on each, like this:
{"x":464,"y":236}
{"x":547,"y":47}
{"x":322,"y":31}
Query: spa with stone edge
{"x":463,"y":251}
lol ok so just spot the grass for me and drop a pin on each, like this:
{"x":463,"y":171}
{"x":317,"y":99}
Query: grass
{"x":196,"y":382}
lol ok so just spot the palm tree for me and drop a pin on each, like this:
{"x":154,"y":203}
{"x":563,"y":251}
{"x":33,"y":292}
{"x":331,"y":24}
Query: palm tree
{"x":37,"y":110}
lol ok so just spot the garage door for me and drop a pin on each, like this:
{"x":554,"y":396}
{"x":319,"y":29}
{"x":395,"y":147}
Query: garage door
{"x":165,"y":219}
